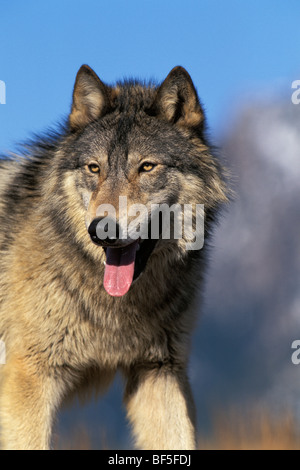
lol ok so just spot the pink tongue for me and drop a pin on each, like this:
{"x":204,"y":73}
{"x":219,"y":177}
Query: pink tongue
{"x":119,"y":269}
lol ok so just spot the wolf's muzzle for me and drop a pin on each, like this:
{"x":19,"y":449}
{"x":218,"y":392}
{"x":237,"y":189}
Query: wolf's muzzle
{"x":105,"y":232}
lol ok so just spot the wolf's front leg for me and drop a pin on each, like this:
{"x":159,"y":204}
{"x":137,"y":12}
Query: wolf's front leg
{"x":161,"y":410}
{"x":28,"y":400}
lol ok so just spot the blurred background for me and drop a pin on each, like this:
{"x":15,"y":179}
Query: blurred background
{"x":243,"y":58}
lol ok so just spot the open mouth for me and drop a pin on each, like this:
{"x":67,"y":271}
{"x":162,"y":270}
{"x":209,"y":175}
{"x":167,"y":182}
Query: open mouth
{"x":124,"y":262}
{"x":124,"y":265}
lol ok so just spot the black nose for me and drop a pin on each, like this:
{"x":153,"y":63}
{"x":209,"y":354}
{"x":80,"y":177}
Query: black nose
{"x":104,"y":231}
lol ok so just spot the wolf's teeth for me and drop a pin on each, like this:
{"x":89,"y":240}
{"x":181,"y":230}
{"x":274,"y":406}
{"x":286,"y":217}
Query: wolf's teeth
{"x":104,"y":262}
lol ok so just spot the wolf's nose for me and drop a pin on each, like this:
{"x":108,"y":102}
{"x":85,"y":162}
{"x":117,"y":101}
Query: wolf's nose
{"x":104,"y":231}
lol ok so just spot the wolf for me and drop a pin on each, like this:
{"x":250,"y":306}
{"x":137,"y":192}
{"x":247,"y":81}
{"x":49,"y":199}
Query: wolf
{"x":75,"y":307}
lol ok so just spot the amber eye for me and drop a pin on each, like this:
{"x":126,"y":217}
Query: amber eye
{"x":94,"y":168}
{"x":147,"y":166}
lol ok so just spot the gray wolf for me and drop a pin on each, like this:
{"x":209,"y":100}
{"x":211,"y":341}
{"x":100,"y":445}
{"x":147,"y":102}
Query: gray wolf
{"x":75,"y":308}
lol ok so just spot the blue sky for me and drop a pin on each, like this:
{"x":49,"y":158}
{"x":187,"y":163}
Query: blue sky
{"x":231,"y":48}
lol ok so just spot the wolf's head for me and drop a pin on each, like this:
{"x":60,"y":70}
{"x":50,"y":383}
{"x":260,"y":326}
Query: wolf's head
{"x":134,"y":148}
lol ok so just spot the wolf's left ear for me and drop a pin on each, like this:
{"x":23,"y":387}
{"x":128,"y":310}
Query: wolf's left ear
{"x":177,"y":101}
{"x":90,"y":98}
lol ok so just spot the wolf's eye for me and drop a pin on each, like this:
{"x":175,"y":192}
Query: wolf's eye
{"x":147,"y":166}
{"x":94,"y":168}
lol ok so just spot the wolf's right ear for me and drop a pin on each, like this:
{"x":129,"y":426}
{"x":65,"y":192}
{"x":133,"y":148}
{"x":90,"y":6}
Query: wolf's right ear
{"x":91,"y":98}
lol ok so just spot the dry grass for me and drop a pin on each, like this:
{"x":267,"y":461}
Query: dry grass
{"x":79,"y":440}
{"x":258,"y":430}
{"x":253,"y":431}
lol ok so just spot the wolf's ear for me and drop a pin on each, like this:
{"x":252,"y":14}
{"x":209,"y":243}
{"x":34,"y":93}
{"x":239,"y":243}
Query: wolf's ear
{"x":90,"y":98}
{"x":177,"y":101}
